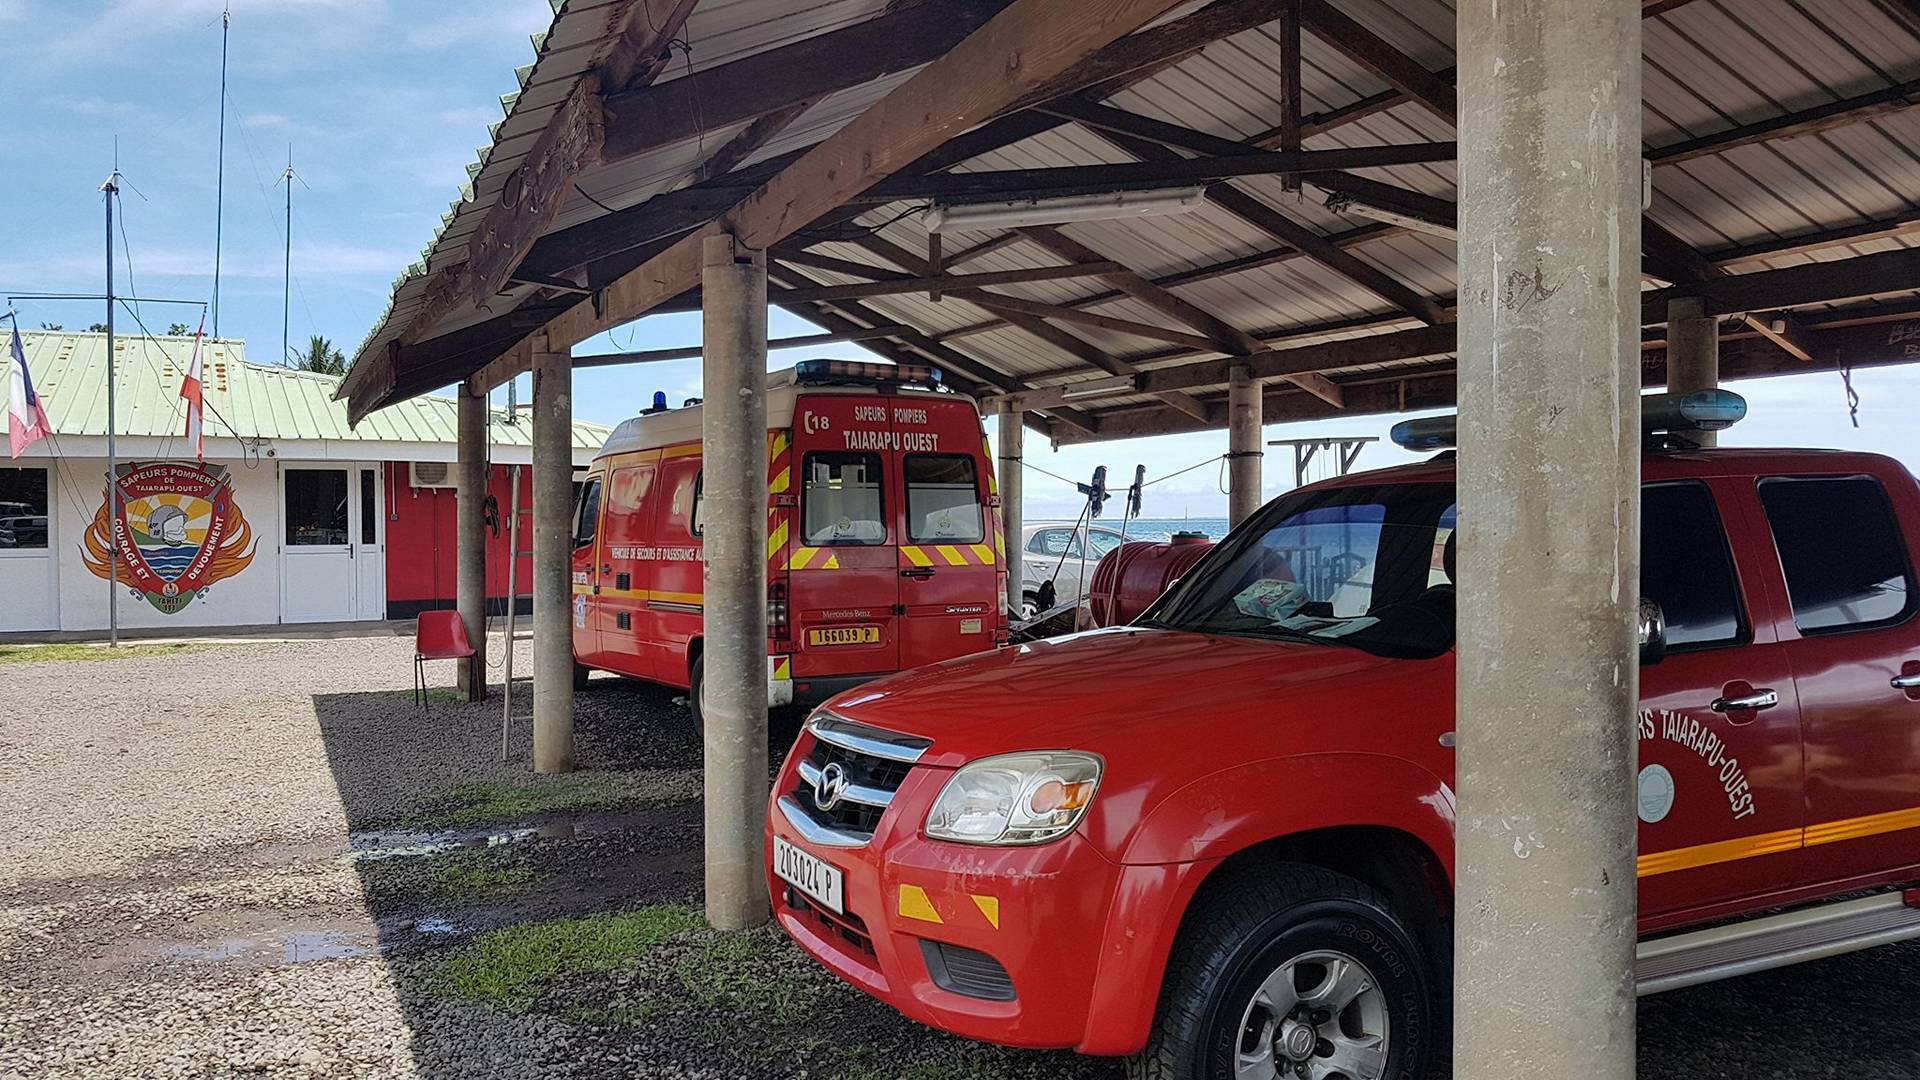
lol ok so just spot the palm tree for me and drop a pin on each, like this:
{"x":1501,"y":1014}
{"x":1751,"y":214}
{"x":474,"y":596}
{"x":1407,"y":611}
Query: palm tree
{"x":322,"y":357}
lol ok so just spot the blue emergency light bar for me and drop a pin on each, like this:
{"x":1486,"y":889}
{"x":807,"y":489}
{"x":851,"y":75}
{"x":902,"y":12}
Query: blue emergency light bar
{"x":819,"y":372}
{"x":1662,"y":413}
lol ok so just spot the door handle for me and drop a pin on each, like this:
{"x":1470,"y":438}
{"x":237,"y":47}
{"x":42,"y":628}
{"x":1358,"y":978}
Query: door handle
{"x":1759,"y":699}
{"x":1907,"y":682}
{"x":919,"y":573}
{"x":607,"y":569}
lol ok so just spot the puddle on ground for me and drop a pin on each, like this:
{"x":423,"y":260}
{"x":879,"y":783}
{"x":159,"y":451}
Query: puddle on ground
{"x":373,"y":845}
{"x":433,"y":924}
{"x":292,"y":947}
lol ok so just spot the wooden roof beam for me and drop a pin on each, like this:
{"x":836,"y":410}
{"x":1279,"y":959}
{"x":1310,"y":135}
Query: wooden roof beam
{"x":955,"y":283}
{"x":1793,"y":125}
{"x":1370,"y":51}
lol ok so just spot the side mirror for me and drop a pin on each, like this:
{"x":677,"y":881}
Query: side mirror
{"x":1653,"y":632}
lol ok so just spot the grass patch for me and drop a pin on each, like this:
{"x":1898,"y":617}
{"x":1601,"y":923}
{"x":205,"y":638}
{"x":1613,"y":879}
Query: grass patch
{"x":16,"y":654}
{"x":510,"y":967}
{"x":470,"y":875}
{"x":478,"y":802}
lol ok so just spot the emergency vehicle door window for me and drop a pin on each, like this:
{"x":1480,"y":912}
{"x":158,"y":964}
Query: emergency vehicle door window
{"x":1845,"y":562}
{"x":586,"y":521}
{"x":943,"y":500}
{"x":698,"y":526}
{"x":841,"y":502}
{"x":1685,"y":566}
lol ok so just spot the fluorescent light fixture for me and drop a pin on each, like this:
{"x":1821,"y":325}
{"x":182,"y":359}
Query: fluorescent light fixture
{"x":1013,"y":213}
{"x":1342,"y":203}
{"x":1097,"y":388}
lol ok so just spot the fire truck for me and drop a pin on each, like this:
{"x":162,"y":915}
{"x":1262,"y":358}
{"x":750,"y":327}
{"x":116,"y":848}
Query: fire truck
{"x":1220,"y":840}
{"x":884,"y":545}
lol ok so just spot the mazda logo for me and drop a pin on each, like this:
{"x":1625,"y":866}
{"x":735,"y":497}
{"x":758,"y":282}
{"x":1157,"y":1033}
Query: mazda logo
{"x":832,"y":785}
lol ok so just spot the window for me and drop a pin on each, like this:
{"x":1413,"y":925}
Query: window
{"x":586,"y":517}
{"x":317,"y":507}
{"x":23,"y":509}
{"x":841,"y":502}
{"x":1685,"y":566}
{"x":1345,"y":566}
{"x":699,"y":525}
{"x":943,"y":501}
{"x":1055,"y":543}
{"x":1845,"y":561}
{"x":369,"y":514}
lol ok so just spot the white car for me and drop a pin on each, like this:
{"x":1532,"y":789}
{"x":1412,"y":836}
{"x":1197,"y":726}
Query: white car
{"x":1052,"y":552}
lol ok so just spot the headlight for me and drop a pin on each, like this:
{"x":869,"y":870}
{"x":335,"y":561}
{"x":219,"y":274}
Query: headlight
{"x":1027,"y":798}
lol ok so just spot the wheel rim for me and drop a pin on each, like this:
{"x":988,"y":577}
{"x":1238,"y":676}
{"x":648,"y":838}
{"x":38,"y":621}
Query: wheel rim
{"x":1028,"y":609}
{"x":1320,"y":1015}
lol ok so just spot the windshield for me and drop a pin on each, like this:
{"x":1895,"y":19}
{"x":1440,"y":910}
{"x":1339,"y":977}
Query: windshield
{"x":1365,"y":567}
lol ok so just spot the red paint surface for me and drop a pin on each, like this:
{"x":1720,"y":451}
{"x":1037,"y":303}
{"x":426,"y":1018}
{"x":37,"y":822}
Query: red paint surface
{"x":421,"y":565}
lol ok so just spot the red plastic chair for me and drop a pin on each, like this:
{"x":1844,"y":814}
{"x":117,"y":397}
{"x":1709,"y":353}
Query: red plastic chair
{"x":437,"y":635}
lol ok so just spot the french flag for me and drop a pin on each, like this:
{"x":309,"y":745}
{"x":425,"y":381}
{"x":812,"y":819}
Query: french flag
{"x":190,"y":390}
{"x":26,"y":420}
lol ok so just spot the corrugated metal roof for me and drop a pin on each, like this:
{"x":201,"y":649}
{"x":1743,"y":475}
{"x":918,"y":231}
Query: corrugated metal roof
{"x":1710,"y":65}
{"x":243,"y":400}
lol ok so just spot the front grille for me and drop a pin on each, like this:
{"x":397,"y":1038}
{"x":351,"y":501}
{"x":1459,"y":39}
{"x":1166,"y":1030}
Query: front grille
{"x":861,"y":767}
{"x":849,"y":928}
{"x":965,"y":971}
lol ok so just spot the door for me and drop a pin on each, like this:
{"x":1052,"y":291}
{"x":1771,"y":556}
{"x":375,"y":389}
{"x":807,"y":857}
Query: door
{"x":950,"y":580}
{"x":843,"y":569}
{"x":630,"y":549}
{"x":1719,"y":789}
{"x":1852,"y":638}
{"x":676,"y":596}
{"x":370,"y":553}
{"x":586,"y":572}
{"x":320,"y":516}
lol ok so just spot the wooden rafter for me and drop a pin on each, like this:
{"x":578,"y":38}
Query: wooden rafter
{"x":1793,"y":125}
{"x":953,"y":283}
{"x":1225,"y":337}
{"x":1370,"y":51}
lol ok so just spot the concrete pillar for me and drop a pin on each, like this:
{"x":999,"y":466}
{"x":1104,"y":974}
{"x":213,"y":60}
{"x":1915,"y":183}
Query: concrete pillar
{"x":734,"y":489}
{"x":1693,"y":353}
{"x":552,"y":560}
{"x":470,"y":538}
{"x":1243,"y":446}
{"x":1549,"y":251}
{"x":1008,"y":471}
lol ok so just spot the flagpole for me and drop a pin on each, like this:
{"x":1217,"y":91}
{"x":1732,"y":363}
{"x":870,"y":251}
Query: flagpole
{"x":112,"y":188}
{"x":220,"y":171}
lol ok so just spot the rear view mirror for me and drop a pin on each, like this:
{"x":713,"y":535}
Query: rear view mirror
{"x":1652,"y":632}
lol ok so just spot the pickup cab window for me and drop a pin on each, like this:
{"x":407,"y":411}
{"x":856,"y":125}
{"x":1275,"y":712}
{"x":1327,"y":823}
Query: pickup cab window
{"x":1364,"y":567}
{"x":1685,"y":566}
{"x":1841,"y":550}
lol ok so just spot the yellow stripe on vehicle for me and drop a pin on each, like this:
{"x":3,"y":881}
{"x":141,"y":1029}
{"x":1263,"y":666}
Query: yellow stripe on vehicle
{"x":776,"y":539}
{"x":783,"y":668}
{"x":915,"y":555}
{"x":1744,"y":847}
{"x":951,"y":554}
{"x":683,"y":450}
{"x":989,"y":906}
{"x":915,"y":905}
{"x":782,"y":480}
{"x":832,"y":563}
{"x":693,"y":598}
{"x":1855,"y":828}
{"x":801,"y":557}
{"x":983,"y":553}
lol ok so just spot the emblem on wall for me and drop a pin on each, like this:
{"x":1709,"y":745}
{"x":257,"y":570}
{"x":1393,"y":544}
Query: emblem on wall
{"x":179,"y":532}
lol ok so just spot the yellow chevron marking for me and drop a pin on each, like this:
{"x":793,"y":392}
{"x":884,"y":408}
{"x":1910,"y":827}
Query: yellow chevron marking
{"x":951,"y":554}
{"x":783,"y":668}
{"x":915,"y":905}
{"x":801,"y":557}
{"x":989,"y":906}
{"x":776,"y":539}
{"x":983,"y":553}
{"x":832,"y":563}
{"x":782,"y":480}
{"x":915,"y":556}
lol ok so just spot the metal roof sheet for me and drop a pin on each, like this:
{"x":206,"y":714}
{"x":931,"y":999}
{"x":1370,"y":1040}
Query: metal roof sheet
{"x":243,"y":400}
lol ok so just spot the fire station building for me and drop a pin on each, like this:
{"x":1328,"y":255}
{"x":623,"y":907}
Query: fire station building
{"x":292,"y":518}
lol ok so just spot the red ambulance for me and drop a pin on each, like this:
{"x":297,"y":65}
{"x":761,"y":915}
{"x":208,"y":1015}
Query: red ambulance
{"x":884,"y":545}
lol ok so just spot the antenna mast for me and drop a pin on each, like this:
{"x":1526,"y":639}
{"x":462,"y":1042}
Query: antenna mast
{"x":112,"y":189}
{"x":220,"y":171}
{"x":286,"y":282}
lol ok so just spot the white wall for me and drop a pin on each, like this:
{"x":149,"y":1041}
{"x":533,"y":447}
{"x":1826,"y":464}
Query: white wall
{"x":29,"y":587}
{"x":251,"y":596}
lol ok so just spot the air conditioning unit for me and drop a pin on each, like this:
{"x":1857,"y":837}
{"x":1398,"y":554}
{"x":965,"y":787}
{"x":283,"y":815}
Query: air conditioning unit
{"x":432,"y":474}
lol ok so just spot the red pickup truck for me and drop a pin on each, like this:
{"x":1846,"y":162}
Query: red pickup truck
{"x":1221,"y":839}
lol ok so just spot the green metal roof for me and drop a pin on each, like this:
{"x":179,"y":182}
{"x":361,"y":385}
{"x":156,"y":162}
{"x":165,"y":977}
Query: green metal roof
{"x":247,"y":401}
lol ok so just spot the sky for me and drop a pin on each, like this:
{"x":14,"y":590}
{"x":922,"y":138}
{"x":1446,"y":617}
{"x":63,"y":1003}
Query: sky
{"x":383,"y":103}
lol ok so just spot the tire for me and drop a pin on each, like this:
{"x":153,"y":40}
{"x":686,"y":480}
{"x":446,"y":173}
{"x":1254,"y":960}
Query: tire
{"x":580,"y":674}
{"x":1335,"y":936}
{"x":696,"y":693}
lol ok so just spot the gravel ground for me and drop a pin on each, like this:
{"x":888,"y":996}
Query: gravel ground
{"x":256,"y":860}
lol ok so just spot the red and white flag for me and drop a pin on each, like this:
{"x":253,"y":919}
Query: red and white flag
{"x":190,"y":390}
{"x":26,"y":420}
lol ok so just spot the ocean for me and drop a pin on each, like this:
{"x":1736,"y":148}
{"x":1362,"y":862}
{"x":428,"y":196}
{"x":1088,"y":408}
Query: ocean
{"x":1158,"y":528}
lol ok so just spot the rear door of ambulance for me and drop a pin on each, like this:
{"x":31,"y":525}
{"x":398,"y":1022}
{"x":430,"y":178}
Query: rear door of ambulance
{"x":840,"y":551}
{"x":950,"y":558}
{"x":627,"y":563}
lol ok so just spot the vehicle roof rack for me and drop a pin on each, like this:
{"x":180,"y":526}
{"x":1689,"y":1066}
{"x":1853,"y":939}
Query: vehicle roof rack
{"x":1666,"y":419}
